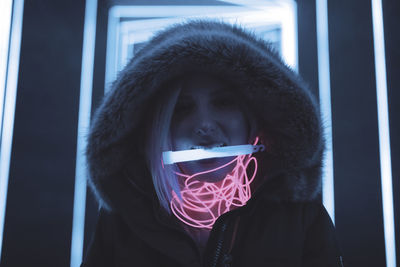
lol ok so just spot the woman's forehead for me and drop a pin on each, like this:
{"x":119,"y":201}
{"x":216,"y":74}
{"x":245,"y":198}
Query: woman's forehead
{"x":203,"y":84}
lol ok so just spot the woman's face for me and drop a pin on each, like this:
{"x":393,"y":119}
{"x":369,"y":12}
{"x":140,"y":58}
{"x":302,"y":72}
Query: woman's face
{"x":207,"y":114}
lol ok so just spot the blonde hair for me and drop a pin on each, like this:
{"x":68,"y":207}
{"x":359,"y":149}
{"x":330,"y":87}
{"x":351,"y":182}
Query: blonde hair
{"x":159,"y":140}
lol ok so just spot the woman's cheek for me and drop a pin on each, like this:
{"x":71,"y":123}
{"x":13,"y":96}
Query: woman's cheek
{"x":180,"y":136}
{"x":237,"y":128}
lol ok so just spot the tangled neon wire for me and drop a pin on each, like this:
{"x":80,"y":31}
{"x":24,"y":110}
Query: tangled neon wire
{"x":203,"y":202}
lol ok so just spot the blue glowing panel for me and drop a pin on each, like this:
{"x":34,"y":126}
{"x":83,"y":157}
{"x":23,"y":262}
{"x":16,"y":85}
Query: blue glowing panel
{"x":85,"y":101}
{"x":325,"y":104}
{"x":130,"y":27}
{"x":10,"y":94}
{"x":384,"y":138}
{"x":5,"y":25}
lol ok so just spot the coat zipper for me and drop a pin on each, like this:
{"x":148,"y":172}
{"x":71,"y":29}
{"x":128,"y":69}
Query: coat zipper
{"x":341,"y":261}
{"x":219,"y":245}
{"x":182,"y":232}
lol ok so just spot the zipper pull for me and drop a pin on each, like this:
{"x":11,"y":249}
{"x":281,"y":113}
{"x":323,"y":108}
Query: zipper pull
{"x":227,"y":260}
{"x":219,"y":245}
{"x":341,"y":264}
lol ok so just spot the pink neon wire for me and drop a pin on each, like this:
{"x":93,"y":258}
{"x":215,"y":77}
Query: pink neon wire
{"x":203,"y":202}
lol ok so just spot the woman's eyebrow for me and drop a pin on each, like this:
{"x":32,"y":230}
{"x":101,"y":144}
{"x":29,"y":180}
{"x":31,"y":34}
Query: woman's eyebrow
{"x":184,"y":97}
{"x":222,"y":93}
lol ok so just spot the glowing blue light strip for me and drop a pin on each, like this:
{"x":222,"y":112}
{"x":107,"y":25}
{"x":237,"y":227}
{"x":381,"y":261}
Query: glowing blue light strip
{"x":172,"y":11}
{"x":170,"y":157}
{"x":289,"y":33}
{"x":85,"y":103}
{"x":118,"y":12}
{"x":286,"y":10}
{"x":112,"y":45}
{"x":5,"y":25}
{"x":285,"y":14}
{"x":325,"y":103}
{"x":9,"y":108}
{"x":384,"y":136}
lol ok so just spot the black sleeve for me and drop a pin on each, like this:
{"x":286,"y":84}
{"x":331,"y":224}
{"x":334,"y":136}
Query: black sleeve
{"x":320,"y":246}
{"x":100,"y":251}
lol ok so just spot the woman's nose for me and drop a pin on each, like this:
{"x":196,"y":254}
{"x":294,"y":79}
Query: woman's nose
{"x":206,"y":124}
{"x":205,"y":130}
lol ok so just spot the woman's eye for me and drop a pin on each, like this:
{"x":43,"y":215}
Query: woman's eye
{"x":224,"y":102}
{"x":183,"y":107}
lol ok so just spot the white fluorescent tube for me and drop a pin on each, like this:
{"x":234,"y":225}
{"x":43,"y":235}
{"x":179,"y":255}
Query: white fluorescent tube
{"x":170,"y":157}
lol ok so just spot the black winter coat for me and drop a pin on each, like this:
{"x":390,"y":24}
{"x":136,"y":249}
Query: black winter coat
{"x":283,"y":224}
{"x":270,"y":235}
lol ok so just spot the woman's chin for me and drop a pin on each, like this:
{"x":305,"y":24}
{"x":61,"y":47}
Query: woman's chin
{"x":214,"y":176}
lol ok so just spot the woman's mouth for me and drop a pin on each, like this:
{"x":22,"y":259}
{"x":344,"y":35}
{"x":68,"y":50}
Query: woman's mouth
{"x":209,"y":145}
{"x":210,"y":162}
{"x":207,"y":162}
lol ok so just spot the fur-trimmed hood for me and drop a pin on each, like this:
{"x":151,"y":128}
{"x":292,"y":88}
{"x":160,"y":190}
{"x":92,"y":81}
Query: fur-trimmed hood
{"x":287,"y":112}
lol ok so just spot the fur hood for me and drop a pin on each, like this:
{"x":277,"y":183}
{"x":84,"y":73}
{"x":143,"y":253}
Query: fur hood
{"x":286,"y":111}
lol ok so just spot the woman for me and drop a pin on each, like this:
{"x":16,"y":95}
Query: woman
{"x":197,"y":89}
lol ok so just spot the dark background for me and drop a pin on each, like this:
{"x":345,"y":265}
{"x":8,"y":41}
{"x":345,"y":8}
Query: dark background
{"x":41,"y":184}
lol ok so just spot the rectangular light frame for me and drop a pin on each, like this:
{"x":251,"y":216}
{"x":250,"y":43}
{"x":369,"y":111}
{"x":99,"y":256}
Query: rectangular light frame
{"x":328,"y":190}
{"x":384,"y":132}
{"x":157,"y":14}
{"x":85,"y":105}
{"x":10,"y":95}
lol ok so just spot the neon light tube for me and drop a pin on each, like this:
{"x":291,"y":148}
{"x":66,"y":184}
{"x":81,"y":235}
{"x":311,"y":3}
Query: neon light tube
{"x":384,"y":136}
{"x":172,"y":12}
{"x":251,"y":14}
{"x":85,"y":101}
{"x":9,"y":108}
{"x":289,"y":41}
{"x":5,"y":26}
{"x":170,"y":157}
{"x":328,"y":193}
{"x":203,"y":202}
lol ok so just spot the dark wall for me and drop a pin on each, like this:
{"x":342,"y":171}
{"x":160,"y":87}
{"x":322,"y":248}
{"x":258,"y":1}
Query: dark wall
{"x":40,"y":195}
{"x":391,"y":11}
{"x":359,"y":219}
{"x":307,"y":43}
{"x":358,"y":204}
